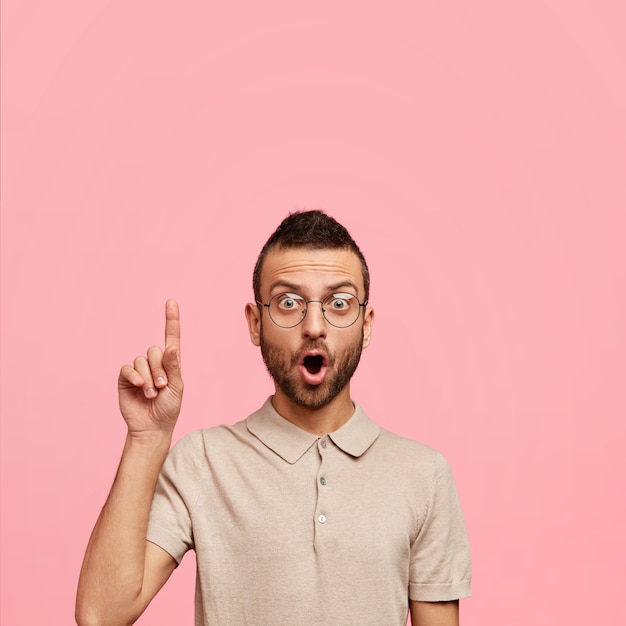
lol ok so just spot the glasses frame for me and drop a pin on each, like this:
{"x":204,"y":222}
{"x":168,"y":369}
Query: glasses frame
{"x":306,"y":309}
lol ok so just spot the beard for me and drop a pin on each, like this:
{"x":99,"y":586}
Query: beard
{"x":285,"y":372}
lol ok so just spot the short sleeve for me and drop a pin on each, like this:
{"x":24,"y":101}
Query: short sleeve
{"x":440,"y":567}
{"x":170,"y":523}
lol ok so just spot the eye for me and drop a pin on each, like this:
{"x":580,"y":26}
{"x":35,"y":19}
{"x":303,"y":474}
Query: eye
{"x":339,"y":302}
{"x":289,"y":301}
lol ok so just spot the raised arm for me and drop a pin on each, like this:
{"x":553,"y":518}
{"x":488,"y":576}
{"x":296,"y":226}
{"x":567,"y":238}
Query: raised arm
{"x":121,"y":571}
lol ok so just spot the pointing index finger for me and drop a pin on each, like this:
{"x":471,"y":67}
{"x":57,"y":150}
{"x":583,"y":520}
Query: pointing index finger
{"x":172,"y":325}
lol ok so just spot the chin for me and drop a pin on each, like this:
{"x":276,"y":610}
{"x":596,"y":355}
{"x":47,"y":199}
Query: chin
{"x":313,"y":397}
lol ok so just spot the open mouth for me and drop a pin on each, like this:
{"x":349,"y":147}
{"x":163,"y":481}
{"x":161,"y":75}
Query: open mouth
{"x":313,"y":363}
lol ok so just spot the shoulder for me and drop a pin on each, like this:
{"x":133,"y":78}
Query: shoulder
{"x":198,"y":442}
{"x":408,"y":449}
{"x":192,"y":460}
{"x":411,"y":459}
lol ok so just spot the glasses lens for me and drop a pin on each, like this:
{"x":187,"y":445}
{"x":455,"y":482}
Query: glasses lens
{"x":287,"y":309}
{"x":341,"y":309}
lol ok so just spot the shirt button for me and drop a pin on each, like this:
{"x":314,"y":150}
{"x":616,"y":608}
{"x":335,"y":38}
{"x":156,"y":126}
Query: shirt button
{"x":321,"y":519}
{"x":323,"y":443}
{"x":323,"y":480}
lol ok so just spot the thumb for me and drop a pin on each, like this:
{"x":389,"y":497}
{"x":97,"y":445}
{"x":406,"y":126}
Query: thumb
{"x":171,"y":364}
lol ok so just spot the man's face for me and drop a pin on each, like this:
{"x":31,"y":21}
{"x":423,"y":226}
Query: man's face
{"x":313,"y":362}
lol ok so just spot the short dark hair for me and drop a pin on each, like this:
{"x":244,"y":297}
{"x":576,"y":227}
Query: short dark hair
{"x":309,"y":229}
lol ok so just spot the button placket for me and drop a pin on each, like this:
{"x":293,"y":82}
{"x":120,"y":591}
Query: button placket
{"x":322,"y":515}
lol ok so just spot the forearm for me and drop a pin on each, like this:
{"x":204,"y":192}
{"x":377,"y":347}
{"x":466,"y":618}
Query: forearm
{"x":112,"y":577}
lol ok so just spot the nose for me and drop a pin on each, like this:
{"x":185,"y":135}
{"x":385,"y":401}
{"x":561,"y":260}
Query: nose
{"x":314,"y":323}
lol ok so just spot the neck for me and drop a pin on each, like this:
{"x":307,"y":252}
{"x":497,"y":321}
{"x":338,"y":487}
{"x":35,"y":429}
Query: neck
{"x":327,"y":419}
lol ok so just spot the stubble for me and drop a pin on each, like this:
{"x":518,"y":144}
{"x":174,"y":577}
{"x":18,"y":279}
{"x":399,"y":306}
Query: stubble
{"x":285,"y":372}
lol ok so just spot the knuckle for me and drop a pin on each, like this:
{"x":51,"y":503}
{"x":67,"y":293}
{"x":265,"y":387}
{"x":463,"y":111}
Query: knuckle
{"x":125,"y":372}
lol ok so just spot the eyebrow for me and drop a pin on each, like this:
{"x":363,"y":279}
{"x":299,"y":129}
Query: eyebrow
{"x":284,"y":284}
{"x":342,"y":284}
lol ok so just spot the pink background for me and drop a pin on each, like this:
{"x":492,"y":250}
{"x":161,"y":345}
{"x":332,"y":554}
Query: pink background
{"x":476,"y":151}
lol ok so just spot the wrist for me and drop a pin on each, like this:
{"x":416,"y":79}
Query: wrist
{"x":157,"y":441}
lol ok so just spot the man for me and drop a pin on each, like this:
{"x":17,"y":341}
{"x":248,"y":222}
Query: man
{"x":305,"y":513}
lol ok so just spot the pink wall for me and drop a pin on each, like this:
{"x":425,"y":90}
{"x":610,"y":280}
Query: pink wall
{"x":476,"y":152}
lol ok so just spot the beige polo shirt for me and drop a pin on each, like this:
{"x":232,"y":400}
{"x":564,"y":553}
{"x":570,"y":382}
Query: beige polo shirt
{"x":294,"y":529}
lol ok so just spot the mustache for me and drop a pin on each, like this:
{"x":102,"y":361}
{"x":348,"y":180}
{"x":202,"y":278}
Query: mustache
{"x":313,"y":346}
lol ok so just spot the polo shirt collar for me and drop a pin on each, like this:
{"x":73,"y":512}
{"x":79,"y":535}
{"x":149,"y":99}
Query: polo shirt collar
{"x":357,"y":434}
{"x":291,"y":442}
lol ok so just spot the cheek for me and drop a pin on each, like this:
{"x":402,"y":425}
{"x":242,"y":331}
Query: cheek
{"x":278,"y":338}
{"x":348,"y":338}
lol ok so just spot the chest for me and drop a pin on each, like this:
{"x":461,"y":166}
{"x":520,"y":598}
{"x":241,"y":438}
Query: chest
{"x":326,"y":506}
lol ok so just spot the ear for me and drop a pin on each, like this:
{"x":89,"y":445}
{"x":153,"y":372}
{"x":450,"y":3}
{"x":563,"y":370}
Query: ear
{"x":253,"y":317}
{"x":368,"y":322}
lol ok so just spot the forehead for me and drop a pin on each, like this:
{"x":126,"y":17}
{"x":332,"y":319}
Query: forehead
{"x":311,"y":269}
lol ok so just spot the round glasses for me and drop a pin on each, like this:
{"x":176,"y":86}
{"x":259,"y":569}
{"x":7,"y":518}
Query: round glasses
{"x":289,"y":309}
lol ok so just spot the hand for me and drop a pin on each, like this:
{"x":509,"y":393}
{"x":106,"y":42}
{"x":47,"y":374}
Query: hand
{"x":151,"y":391}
